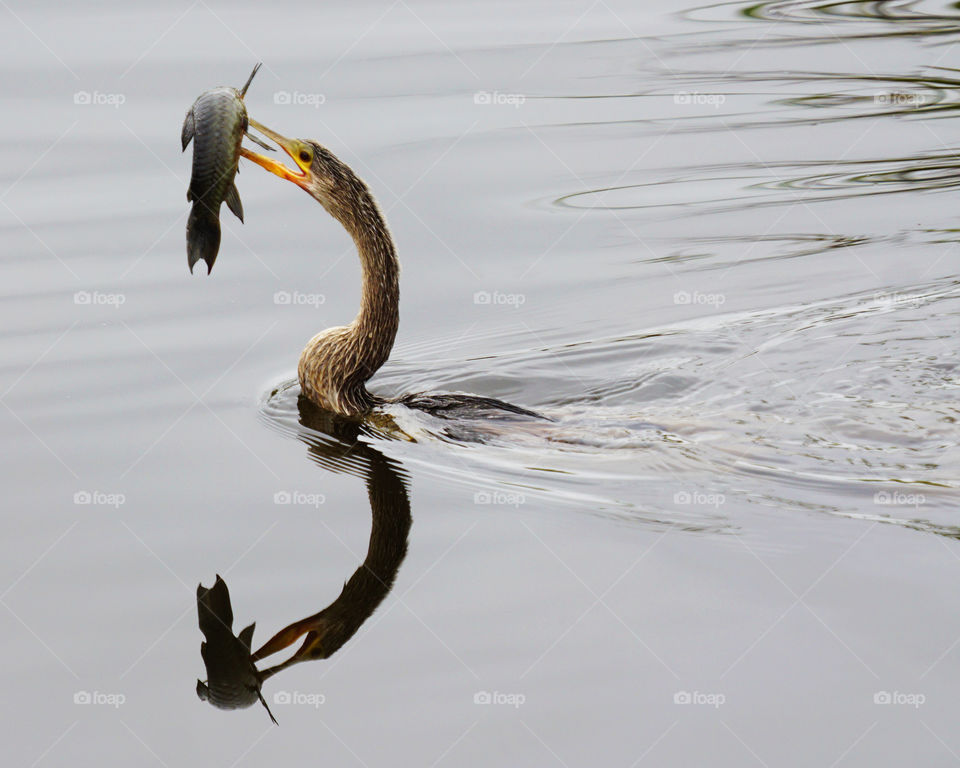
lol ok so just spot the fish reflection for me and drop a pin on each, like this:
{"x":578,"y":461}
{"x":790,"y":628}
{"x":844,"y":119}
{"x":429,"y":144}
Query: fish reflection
{"x":233,"y":682}
{"x":233,"y":679}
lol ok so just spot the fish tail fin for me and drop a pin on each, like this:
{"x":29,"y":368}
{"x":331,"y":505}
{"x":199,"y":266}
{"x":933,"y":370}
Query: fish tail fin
{"x":214,"y":609}
{"x":203,"y":236}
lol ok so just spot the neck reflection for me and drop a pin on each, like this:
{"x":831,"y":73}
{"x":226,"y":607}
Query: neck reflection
{"x":228,"y":659}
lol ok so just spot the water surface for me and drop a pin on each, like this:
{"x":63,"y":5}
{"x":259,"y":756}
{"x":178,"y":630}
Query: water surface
{"x":717,"y":244}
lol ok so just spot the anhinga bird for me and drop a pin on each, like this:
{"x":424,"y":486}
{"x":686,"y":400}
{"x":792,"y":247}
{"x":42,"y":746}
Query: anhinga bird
{"x":336,"y":363}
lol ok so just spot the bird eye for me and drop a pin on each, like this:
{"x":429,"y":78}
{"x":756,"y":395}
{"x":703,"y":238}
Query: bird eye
{"x":304,"y":156}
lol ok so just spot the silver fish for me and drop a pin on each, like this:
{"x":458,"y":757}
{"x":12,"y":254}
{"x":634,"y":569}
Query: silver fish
{"x":218,"y":121}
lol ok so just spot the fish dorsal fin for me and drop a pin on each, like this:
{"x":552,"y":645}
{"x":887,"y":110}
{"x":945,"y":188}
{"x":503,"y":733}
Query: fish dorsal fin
{"x":233,"y":201}
{"x":243,"y":91}
{"x":264,"y":702}
{"x":189,"y":128}
{"x":246,"y":636}
{"x":202,"y":691}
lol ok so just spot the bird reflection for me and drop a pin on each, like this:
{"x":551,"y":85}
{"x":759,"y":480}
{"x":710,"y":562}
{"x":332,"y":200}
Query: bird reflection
{"x":233,"y":679}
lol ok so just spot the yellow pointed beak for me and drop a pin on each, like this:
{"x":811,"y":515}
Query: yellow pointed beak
{"x":299,"y":176}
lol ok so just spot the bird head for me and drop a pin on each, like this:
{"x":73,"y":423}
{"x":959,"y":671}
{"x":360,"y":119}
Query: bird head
{"x":317,"y":170}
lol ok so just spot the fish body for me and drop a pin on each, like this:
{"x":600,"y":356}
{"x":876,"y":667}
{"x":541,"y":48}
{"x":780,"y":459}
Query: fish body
{"x":216,"y":123}
{"x":233,"y":681}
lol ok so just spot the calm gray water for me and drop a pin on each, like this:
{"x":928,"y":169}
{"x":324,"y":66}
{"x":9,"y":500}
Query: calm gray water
{"x":717,"y":244}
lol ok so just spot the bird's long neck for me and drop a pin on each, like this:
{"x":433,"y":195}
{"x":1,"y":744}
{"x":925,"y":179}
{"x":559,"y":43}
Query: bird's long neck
{"x":372,"y":581}
{"x":335,"y":366}
{"x":375,"y":327}
{"x":327,"y":630}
